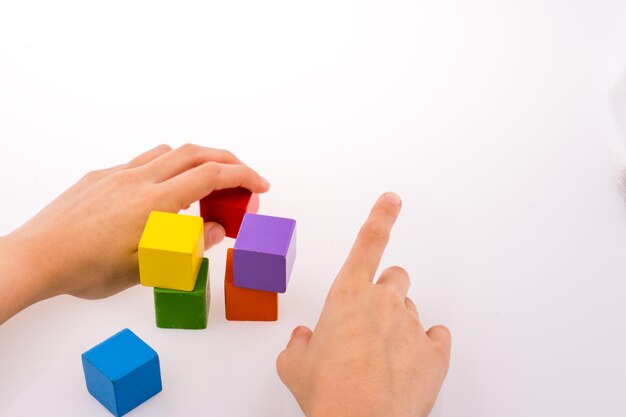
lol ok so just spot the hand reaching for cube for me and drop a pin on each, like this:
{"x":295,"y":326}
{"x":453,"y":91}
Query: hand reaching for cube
{"x":84,"y":243}
{"x":369,"y":354}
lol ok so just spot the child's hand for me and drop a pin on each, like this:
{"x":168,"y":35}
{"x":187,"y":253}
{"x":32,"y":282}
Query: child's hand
{"x":85,"y":242}
{"x":369,"y":354}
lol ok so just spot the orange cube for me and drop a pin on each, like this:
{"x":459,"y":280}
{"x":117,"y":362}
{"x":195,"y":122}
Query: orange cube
{"x":243,"y":304}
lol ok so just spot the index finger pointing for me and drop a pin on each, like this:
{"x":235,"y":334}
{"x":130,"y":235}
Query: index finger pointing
{"x":370,"y":244}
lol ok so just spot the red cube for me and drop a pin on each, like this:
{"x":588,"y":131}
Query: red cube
{"x":227,"y":207}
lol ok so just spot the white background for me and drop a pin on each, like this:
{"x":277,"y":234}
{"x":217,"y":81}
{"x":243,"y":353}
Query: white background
{"x":501,"y":124}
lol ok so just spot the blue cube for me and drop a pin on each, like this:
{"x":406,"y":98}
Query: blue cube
{"x":122,"y":372}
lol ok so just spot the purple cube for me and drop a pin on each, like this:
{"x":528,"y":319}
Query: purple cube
{"x":264,"y":253}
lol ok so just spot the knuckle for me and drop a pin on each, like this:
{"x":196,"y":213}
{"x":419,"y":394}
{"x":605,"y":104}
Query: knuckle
{"x":164,"y":147}
{"x":198,"y":155}
{"x":92,"y":175}
{"x":398,"y":271}
{"x":188,"y":148}
{"x":213,"y":169}
{"x":372,"y":231}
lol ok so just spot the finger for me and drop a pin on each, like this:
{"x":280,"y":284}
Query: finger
{"x":213,"y":234}
{"x":148,"y":156}
{"x":395,"y":278}
{"x":95,"y":176}
{"x":186,"y":158}
{"x":442,"y":335}
{"x":300,"y":338}
{"x":410,"y":305}
{"x":196,"y":183}
{"x":370,"y":244}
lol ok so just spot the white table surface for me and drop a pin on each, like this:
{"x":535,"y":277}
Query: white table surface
{"x":501,"y":124}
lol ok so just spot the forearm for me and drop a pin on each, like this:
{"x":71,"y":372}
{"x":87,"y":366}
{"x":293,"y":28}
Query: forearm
{"x":22,"y":277}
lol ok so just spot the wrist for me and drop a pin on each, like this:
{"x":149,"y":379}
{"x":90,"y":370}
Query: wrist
{"x":23,"y":278}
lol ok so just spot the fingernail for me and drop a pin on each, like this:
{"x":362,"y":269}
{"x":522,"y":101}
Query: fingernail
{"x":216,"y":233}
{"x":393,"y":198}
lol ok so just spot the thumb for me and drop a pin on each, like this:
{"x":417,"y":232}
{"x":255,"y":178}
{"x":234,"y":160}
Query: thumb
{"x":213,"y":234}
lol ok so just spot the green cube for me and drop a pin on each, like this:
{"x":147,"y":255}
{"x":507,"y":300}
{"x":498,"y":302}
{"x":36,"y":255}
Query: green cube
{"x":184,"y":309}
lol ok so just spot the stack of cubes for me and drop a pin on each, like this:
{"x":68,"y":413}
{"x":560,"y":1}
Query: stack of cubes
{"x":260,"y":263}
{"x":171,"y":259}
{"x":123,"y":371}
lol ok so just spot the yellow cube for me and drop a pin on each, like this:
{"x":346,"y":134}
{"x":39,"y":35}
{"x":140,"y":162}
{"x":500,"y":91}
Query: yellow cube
{"x":171,"y":250}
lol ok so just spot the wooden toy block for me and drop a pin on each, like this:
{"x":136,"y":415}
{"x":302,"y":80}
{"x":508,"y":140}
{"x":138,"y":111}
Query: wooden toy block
{"x":122,"y":372}
{"x":243,"y":304}
{"x":184,"y":309}
{"x":264,"y":253}
{"x":227,"y":207}
{"x":171,"y":250}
